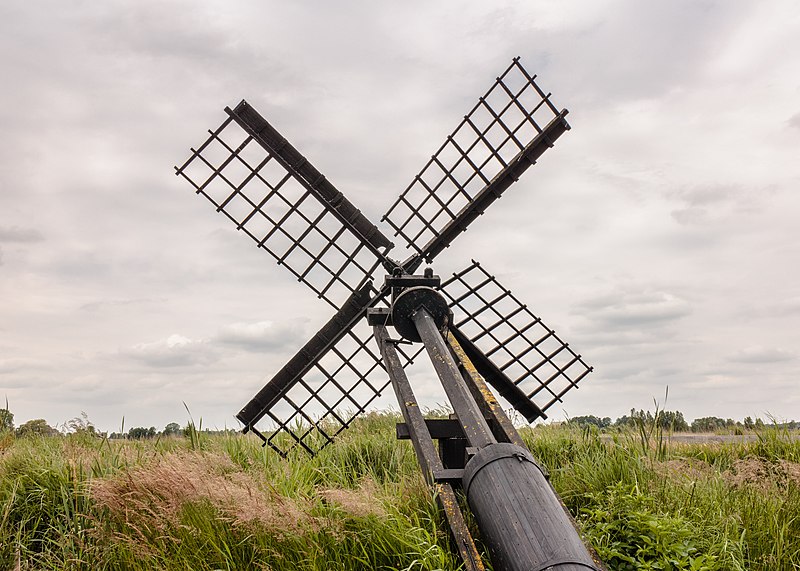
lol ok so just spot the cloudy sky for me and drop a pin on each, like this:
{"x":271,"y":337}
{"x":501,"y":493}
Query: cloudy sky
{"x":659,"y":237}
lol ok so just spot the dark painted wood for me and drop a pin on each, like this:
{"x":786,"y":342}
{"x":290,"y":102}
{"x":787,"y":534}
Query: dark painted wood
{"x":520,"y":518}
{"x":428,"y":459}
{"x":476,"y":429}
{"x":306,"y":174}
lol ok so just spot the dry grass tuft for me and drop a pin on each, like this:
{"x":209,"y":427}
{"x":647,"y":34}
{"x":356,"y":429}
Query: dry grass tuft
{"x":763,"y":474}
{"x":6,"y":440}
{"x":791,"y":470}
{"x":685,"y":469}
{"x":159,"y":489}
{"x":363,"y":502}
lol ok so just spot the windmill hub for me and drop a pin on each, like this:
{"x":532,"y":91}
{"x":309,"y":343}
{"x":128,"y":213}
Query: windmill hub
{"x":414,"y":293}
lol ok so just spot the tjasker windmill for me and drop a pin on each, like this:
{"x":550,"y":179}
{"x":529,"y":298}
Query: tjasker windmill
{"x":472,"y":328}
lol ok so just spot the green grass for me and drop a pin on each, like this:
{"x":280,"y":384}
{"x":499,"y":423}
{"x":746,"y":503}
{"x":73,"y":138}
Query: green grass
{"x":646,"y":503}
{"x":224,"y":502}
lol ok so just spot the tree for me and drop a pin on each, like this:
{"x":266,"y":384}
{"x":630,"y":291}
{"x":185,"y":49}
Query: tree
{"x":36,"y":426}
{"x":6,"y":420}
{"x":624,"y":420}
{"x":140,"y":432}
{"x":173,"y":429}
{"x":590,"y":420}
{"x":708,"y":424}
{"x":673,"y":420}
{"x":666,"y":419}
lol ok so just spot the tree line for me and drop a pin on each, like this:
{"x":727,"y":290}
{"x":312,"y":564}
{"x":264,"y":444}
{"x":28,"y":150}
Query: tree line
{"x":675,"y":421}
{"x":82,"y":425}
{"x":666,"y":419}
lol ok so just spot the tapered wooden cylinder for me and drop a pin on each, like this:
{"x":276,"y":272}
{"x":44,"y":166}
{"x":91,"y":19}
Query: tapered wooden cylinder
{"x":520,"y":518}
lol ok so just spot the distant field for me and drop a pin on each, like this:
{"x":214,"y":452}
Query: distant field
{"x":643,"y":500}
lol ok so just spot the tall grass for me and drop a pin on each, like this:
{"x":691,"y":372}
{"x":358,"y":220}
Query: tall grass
{"x":224,"y":502}
{"x":217,"y":502}
{"x":647,"y":503}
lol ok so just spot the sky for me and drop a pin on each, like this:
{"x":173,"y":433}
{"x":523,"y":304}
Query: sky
{"x":658,"y":237}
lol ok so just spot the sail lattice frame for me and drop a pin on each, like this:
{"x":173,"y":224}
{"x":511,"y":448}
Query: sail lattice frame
{"x":337,"y":388}
{"x":498,"y":128}
{"x":515,"y":340}
{"x":264,"y":199}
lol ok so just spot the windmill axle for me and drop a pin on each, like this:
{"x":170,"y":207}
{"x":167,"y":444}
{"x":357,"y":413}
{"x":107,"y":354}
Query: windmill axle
{"x":519,"y":515}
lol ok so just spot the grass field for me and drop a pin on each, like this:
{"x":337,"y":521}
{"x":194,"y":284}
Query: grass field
{"x":223,"y":502}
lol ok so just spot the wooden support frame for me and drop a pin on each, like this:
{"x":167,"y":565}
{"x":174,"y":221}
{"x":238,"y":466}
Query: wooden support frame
{"x":428,"y":459}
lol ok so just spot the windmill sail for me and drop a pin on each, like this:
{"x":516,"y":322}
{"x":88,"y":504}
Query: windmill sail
{"x":504,"y":133}
{"x":522,"y":358}
{"x":330,"y":381}
{"x":250,"y":173}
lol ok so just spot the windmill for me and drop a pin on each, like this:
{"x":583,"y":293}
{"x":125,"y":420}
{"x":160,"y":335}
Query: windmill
{"x":472,"y":328}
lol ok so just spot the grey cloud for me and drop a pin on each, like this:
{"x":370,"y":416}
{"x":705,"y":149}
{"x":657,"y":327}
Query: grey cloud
{"x":653,"y":375}
{"x":20,"y":235}
{"x":690,"y":215}
{"x":627,"y":338}
{"x":82,"y":265}
{"x":791,"y":305}
{"x":635,"y":309}
{"x":758,"y":354}
{"x":183,"y":34}
{"x":645,"y":50}
{"x":174,"y":351}
{"x":707,"y":195}
{"x":794,"y":121}
{"x":14,"y":365}
{"x":622,"y":371}
{"x":772,"y":308}
{"x":716,"y":381}
{"x":262,"y":335}
{"x":10,"y":366}
{"x":110,"y":303}
{"x":711,"y":203}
